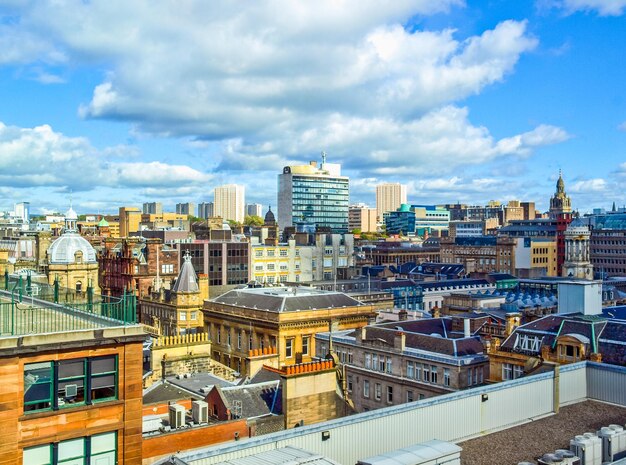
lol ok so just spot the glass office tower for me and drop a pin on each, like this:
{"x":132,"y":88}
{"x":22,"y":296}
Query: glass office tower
{"x":309,"y":196}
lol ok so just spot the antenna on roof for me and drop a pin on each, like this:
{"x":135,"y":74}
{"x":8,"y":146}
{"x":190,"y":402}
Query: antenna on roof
{"x":323,"y":157}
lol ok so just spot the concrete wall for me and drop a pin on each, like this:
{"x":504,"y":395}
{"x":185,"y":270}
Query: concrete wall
{"x":475,"y":412}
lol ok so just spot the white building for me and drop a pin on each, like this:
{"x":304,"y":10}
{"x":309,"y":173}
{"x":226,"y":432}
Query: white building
{"x":229,"y":202}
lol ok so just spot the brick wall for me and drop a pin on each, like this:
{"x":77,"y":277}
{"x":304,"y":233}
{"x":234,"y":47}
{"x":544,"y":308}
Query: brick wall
{"x":166,"y":444}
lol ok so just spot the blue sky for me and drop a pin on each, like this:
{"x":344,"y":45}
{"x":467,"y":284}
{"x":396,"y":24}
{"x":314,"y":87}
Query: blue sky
{"x":126,"y":102}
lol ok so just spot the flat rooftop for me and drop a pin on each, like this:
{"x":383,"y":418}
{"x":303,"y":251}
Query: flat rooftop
{"x":530,"y":441}
{"x":286,"y":299}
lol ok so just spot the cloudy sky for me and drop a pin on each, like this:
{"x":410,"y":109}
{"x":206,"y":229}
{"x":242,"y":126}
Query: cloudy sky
{"x":123,"y":102}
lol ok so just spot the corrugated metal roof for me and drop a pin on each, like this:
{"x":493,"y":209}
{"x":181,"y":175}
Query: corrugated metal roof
{"x":284,"y":456}
{"x":415,"y":455}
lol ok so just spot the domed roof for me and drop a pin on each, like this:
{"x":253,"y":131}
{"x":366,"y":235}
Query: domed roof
{"x":63,"y":250}
{"x":269,"y":217}
{"x":103,"y":223}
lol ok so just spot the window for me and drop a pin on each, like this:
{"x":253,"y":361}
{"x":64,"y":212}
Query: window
{"x":433,"y":374}
{"x":368,"y":360}
{"x":289,"y":348}
{"x":418,"y":371}
{"x":366,"y":388}
{"x":239,"y":335}
{"x":409,"y":396}
{"x":167,"y":268}
{"x":305,"y":345}
{"x":381,"y":364}
{"x":193,"y":316}
{"x":218,"y":331}
{"x":270,"y":253}
{"x":258,"y":253}
{"x":250,"y":341}
{"x":378,"y":391}
{"x":228,"y":336}
{"x":100,"y":449}
{"x":375,"y":361}
{"x":410,"y":370}
{"x":182,"y":316}
{"x":388,"y":364}
{"x":389,"y":394}
{"x":37,"y":386}
{"x":469,"y":376}
{"x":77,"y":382}
{"x":350,"y":383}
{"x":510,"y":371}
{"x":427,"y":373}
{"x":283,"y":252}
{"x":446,"y":377}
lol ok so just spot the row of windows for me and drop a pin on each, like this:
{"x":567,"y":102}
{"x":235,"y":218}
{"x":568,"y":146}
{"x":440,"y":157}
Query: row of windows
{"x":378,"y":389}
{"x":378,"y":362}
{"x":182,"y":316}
{"x":69,"y":383}
{"x":100,"y":449}
{"x":224,"y":335}
{"x":426,"y":373}
{"x":289,"y":346}
{"x":272,"y":266}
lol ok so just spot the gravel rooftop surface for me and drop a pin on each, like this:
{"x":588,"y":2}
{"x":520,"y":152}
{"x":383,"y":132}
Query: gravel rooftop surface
{"x":541,"y":436}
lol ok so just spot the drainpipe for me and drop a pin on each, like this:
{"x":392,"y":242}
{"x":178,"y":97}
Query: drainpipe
{"x":556,"y":389}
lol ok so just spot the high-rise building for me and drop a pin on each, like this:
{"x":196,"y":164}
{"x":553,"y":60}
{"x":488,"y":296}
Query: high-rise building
{"x":22,"y":211}
{"x":317,"y":197}
{"x":153,"y":208}
{"x":362,"y":217}
{"x":130,"y":217}
{"x":205,"y":210}
{"x":229,"y":202}
{"x":187,"y":208}
{"x":389,"y":197}
{"x":254,"y":209}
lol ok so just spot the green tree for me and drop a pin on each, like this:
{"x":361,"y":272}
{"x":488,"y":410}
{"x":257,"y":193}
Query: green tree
{"x":253,"y":220}
{"x":233,"y":224}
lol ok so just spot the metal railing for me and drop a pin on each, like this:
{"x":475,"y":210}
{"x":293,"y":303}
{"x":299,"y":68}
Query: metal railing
{"x":28,"y":307}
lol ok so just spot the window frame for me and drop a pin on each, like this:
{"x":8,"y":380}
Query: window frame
{"x":88,"y":377}
{"x":289,"y":347}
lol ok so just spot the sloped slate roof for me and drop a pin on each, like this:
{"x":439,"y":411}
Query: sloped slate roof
{"x":187,"y":280}
{"x":429,"y":335}
{"x":256,"y":399}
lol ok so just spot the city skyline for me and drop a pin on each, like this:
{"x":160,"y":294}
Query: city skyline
{"x":457,"y":101}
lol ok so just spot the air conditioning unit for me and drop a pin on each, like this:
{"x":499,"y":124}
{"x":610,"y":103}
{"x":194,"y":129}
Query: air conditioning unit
{"x":597,"y":448}
{"x":613,"y":443}
{"x":200,"y":411}
{"x":579,"y":446}
{"x":569,"y":458}
{"x":177,"y":416}
{"x":588,"y":448}
{"x":549,"y":459}
{"x":71,"y":390}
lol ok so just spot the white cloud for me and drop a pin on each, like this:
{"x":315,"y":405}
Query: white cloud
{"x":438,"y":142}
{"x":602,"y":7}
{"x":277,"y":81}
{"x":589,"y":185}
{"x":39,"y":156}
